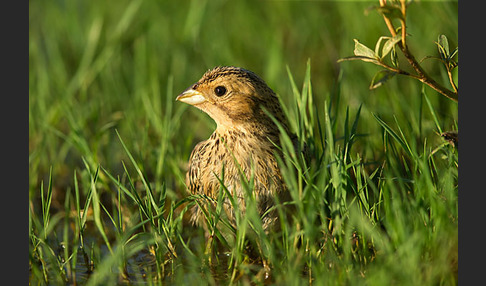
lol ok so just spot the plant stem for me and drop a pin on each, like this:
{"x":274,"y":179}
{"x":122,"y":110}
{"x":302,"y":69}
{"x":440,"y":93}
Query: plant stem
{"x":402,"y":21}
{"x":449,"y":74}
{"x":422,"y":75}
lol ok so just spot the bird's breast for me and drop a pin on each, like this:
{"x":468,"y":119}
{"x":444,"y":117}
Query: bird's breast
{"x":234,"y":156}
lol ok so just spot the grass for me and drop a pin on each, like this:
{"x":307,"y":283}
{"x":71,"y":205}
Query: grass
{"x":108,"y":146}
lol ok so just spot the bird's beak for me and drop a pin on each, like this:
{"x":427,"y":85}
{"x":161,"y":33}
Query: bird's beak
{"x":191,"y":96}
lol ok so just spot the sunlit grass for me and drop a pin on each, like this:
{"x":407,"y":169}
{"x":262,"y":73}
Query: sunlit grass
{"x":376,"y":202}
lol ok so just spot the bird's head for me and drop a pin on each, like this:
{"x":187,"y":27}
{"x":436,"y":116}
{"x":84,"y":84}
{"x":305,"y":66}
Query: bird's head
{"x":234,"y":98}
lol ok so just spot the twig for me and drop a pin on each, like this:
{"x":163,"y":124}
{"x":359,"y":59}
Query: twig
{"x":422,"y":75}
{"x":453,"y":84}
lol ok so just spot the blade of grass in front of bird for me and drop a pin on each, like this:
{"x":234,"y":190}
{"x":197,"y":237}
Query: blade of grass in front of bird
{"x":223,"y":194}
{"x":210,"y":215}
{"x":189,"y":203}
{"x":252,"y":214}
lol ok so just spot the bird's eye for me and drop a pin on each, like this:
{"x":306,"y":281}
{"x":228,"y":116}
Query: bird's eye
{"x":220,"y":90}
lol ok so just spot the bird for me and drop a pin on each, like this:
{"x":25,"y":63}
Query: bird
{"x":243,"y":148}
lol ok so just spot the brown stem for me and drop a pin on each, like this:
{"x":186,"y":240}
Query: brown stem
{"x":402,"y":22}
{"x":422,"y":75}
{"x":453,"y":84}
{"x":425,"y":78}
{"x":398,"y":71}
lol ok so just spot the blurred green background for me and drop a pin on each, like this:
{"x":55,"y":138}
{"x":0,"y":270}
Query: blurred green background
{"x":99,"y":65}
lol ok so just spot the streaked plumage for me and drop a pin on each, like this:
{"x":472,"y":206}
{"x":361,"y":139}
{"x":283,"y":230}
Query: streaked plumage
{"x":234,"y":98}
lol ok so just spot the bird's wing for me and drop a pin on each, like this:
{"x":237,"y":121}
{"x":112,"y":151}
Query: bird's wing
{"x":194,"y":173}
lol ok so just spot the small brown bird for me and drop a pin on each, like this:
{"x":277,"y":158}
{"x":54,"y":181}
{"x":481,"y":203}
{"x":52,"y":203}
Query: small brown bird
{"x":244,"y":141}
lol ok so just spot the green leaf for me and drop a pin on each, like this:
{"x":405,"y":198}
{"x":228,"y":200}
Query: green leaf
{"x":454,"y":52}
{"x":380,"y":78}
{"x":394,"y":57}
{"x":363,"y":51}
{"x":443,"y":45}
{"x":378,"y":44}
{"x":361,"y":58}
{"x":387,"y":47}
{"x":453,"y":63}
